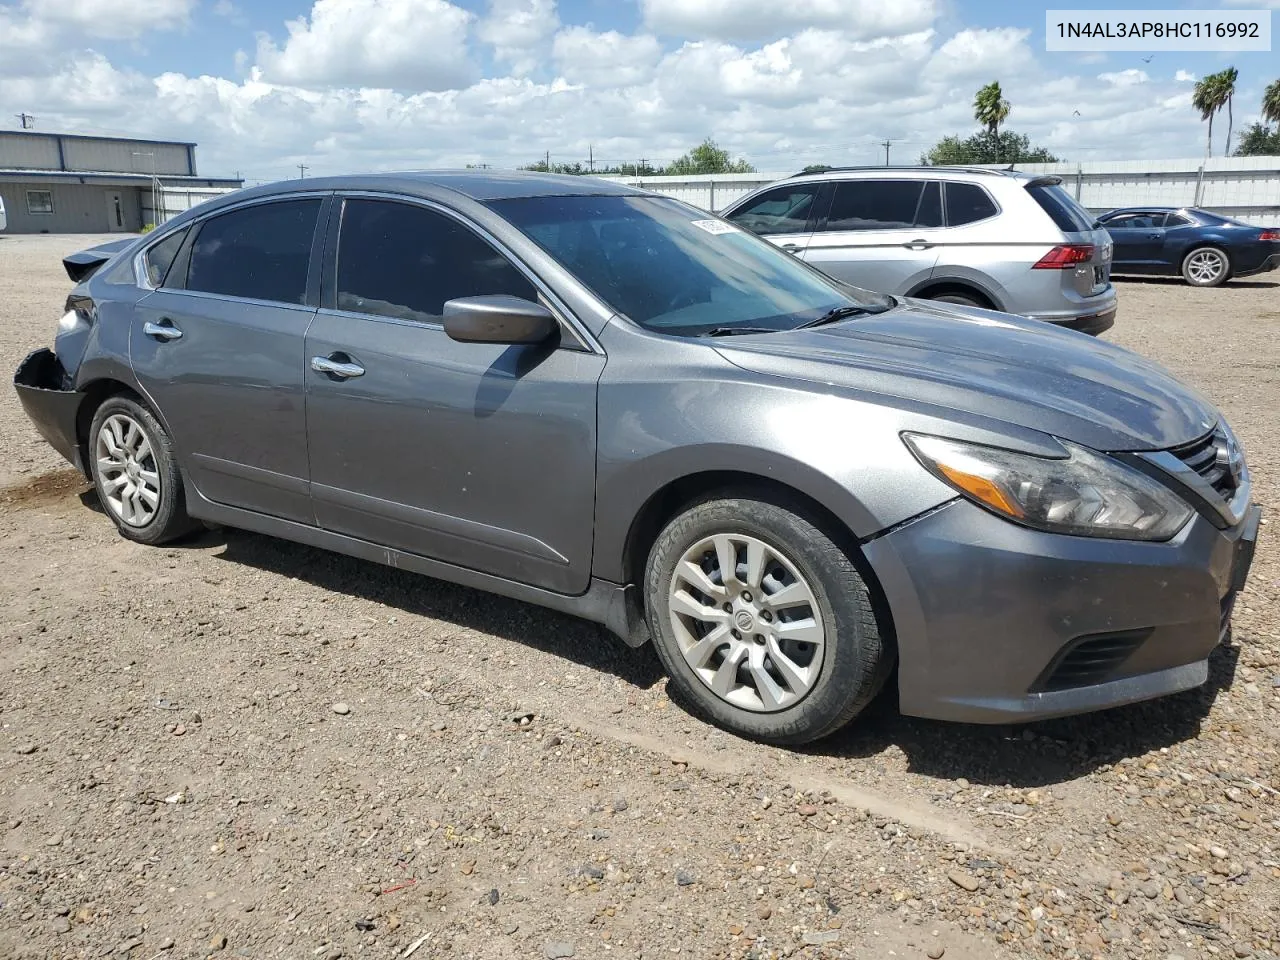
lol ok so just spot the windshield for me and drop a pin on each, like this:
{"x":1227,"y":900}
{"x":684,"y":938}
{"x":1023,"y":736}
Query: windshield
{"x":674,"y":269}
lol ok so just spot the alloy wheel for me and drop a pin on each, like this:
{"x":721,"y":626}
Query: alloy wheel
{"x":747,"y":622}
{"x":1206,"y":266}
{"x":126,"y":468}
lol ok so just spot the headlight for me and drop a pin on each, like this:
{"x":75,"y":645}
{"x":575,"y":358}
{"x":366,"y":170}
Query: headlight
{"x":1085,"y":494}
{"x":69,"y":321}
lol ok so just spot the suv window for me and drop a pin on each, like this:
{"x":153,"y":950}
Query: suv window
{"x":874,"y":205}
{"x":1067,"y":215}
{"x":159,"y":258}
{"x":784,"y":210}
{"x":261,"y":252}
{"x":401,"y":260}
{"x":968,"y":203}
{"x":929,"y":213}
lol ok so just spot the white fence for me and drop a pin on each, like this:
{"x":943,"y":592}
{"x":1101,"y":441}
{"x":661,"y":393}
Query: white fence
{"x":174,"y":200}
{"x":1243,"y":187}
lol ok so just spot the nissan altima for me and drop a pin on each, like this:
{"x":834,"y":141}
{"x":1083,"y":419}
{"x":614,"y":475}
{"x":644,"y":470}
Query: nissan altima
{"x":612,"y":404}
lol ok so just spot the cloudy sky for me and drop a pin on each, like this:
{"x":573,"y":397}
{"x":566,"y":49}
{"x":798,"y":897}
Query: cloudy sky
{"x":347,"y":85}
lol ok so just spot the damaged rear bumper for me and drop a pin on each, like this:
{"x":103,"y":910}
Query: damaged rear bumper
{"x":50,"y":401}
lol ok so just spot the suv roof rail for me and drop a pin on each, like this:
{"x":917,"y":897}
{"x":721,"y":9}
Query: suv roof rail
{"x":967,"y":168}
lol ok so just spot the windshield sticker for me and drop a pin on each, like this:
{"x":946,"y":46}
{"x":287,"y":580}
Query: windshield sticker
{"x":714,"y":226}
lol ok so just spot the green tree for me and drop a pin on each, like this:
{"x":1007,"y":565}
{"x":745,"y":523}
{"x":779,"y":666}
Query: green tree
{"x":1271,"y":103}
{"x":1209,"y":98}
{"x":1227,"y":79}
{"x":817,"y":168}
{"x":991,"y":109}
{"x":1007,"y":147}
{"x":1258,"y":141}
{"x":707,"y":157}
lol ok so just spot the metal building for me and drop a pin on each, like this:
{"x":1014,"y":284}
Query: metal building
{"x":67,"y":183}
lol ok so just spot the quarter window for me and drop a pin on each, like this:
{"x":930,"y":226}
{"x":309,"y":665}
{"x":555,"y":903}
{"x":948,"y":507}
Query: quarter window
{"x":968,"y":203}
{"x":401,"y":260}
{"x":784,"y":210}
{"x":159,"y":258}
{"x":874,"y":205}
{"x":40,"y":202}
{"x":1178,"y":220}
{"x":260,"y":252}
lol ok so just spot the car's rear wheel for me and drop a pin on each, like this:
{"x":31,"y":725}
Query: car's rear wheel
{"x":1206,"y":267}
{"x":963,"y":299}
{"x":762,"y":622}
{"x":135,"y":472}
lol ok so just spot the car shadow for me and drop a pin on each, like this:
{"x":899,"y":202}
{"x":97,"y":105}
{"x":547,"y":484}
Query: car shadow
{"x":1243,"y":283}
{"x":559,"y":634}
{"x":1030,"y":755}
{"x":1036,"y":754}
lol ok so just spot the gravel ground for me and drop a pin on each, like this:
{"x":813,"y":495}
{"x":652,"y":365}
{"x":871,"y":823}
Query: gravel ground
{"x":239,"y":746}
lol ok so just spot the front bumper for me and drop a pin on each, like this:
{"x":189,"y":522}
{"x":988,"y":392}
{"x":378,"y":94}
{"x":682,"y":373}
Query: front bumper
{"x":46,"y":395}
{"x":997,"y":623}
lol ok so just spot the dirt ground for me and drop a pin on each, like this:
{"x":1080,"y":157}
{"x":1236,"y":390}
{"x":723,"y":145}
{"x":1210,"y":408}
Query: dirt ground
{"x":511,"y":783}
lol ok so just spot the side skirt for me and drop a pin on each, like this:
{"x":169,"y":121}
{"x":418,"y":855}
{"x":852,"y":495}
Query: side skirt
{"x":613,"y":605}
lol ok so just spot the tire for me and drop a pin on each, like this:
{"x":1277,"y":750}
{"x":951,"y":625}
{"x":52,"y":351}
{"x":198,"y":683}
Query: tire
{"x":825,"y":684}
{"x":1206,"y":267}
{"x":961,"y":299}
{"x":136,"y":474}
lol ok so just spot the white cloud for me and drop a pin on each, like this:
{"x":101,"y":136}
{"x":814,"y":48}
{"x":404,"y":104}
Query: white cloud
{"x":519,"y":30}
{"x":1184,"y":76}
{"x":768,"y":19}
{"x":1001,"y":51}
{"x":1125,"y":78}
{"x":401,"y":44}
{"x":113,"y":19}
{"x":608,"y":59}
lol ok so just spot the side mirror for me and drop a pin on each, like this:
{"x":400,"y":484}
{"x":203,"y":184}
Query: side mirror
{"x":497,"y":319}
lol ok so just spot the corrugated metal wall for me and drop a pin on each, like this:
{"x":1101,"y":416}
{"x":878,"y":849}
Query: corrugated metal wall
{"x":174,"y":200}
{"x":28,"y":153}
{"x":77,"y":208}
{"x":125,"y":156}
{"x":1244,"y":187}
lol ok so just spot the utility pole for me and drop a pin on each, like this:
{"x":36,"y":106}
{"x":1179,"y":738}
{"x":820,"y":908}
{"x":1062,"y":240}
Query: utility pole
{"x":302,"y":170}
{"x":548,"y":161}
{"x":27,"y":120}
{"x":591,"y":158}
{"x":886,"y":144}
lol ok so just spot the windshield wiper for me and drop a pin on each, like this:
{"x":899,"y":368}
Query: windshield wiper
{"x":735,"y":331}
{"x":839,"y":313}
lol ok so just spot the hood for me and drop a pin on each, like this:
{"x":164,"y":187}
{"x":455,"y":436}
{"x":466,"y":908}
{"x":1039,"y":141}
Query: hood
{"x":991,"y":365}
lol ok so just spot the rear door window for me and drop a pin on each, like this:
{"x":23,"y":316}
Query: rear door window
{"x":1067,"y":215}
{"x":159,"y":258}
{"x":874,"y":205}
{"x":968,"y":203}
{"x":260,"y":252}
{"x":404,"y":261}
{"x":783,"y":210}
{"x":929,"y":213}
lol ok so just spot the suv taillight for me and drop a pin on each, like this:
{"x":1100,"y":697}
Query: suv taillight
{"x":1273,"y":235}
{"x":1065,"y":256}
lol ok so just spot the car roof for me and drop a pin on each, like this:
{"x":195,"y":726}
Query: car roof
{"x":480,"y":185}
{"x":933,"y":172}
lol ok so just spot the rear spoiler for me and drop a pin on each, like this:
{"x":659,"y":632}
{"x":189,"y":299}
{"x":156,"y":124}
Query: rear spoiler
{"x":81,"y":266}
{"x":1045,"y":181}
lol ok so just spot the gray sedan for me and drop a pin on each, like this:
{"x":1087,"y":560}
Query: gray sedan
{"x":609,"y":403}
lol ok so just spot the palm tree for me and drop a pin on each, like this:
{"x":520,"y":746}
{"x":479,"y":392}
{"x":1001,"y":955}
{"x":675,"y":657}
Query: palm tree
{"x":1209,"y":99}
{"x":1271,"y":103}
{"x":1227,"y":88}
{"x":990,"y":109}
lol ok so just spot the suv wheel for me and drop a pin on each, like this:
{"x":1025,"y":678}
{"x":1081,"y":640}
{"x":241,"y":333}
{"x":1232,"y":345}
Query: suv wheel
{"x":963,"y":299}
{"x":1206,"y":267}
{"x":763,"y":623}
{"x":135,"y":472}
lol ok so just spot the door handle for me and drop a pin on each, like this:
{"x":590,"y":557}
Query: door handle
{"x":1153,"y":236}
{"x":918,"y":245}
{"x":791,"y":247}
{"x":163,"y":331}
{"x":338,"y":369}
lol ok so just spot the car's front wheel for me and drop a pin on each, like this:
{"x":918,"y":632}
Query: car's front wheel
{"x":1206,"y":267}
{"x":135,"y":472}
{"x":762,"y":622}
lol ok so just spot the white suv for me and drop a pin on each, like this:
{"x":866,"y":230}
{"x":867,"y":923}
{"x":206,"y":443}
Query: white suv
{"x":971,"y":235}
